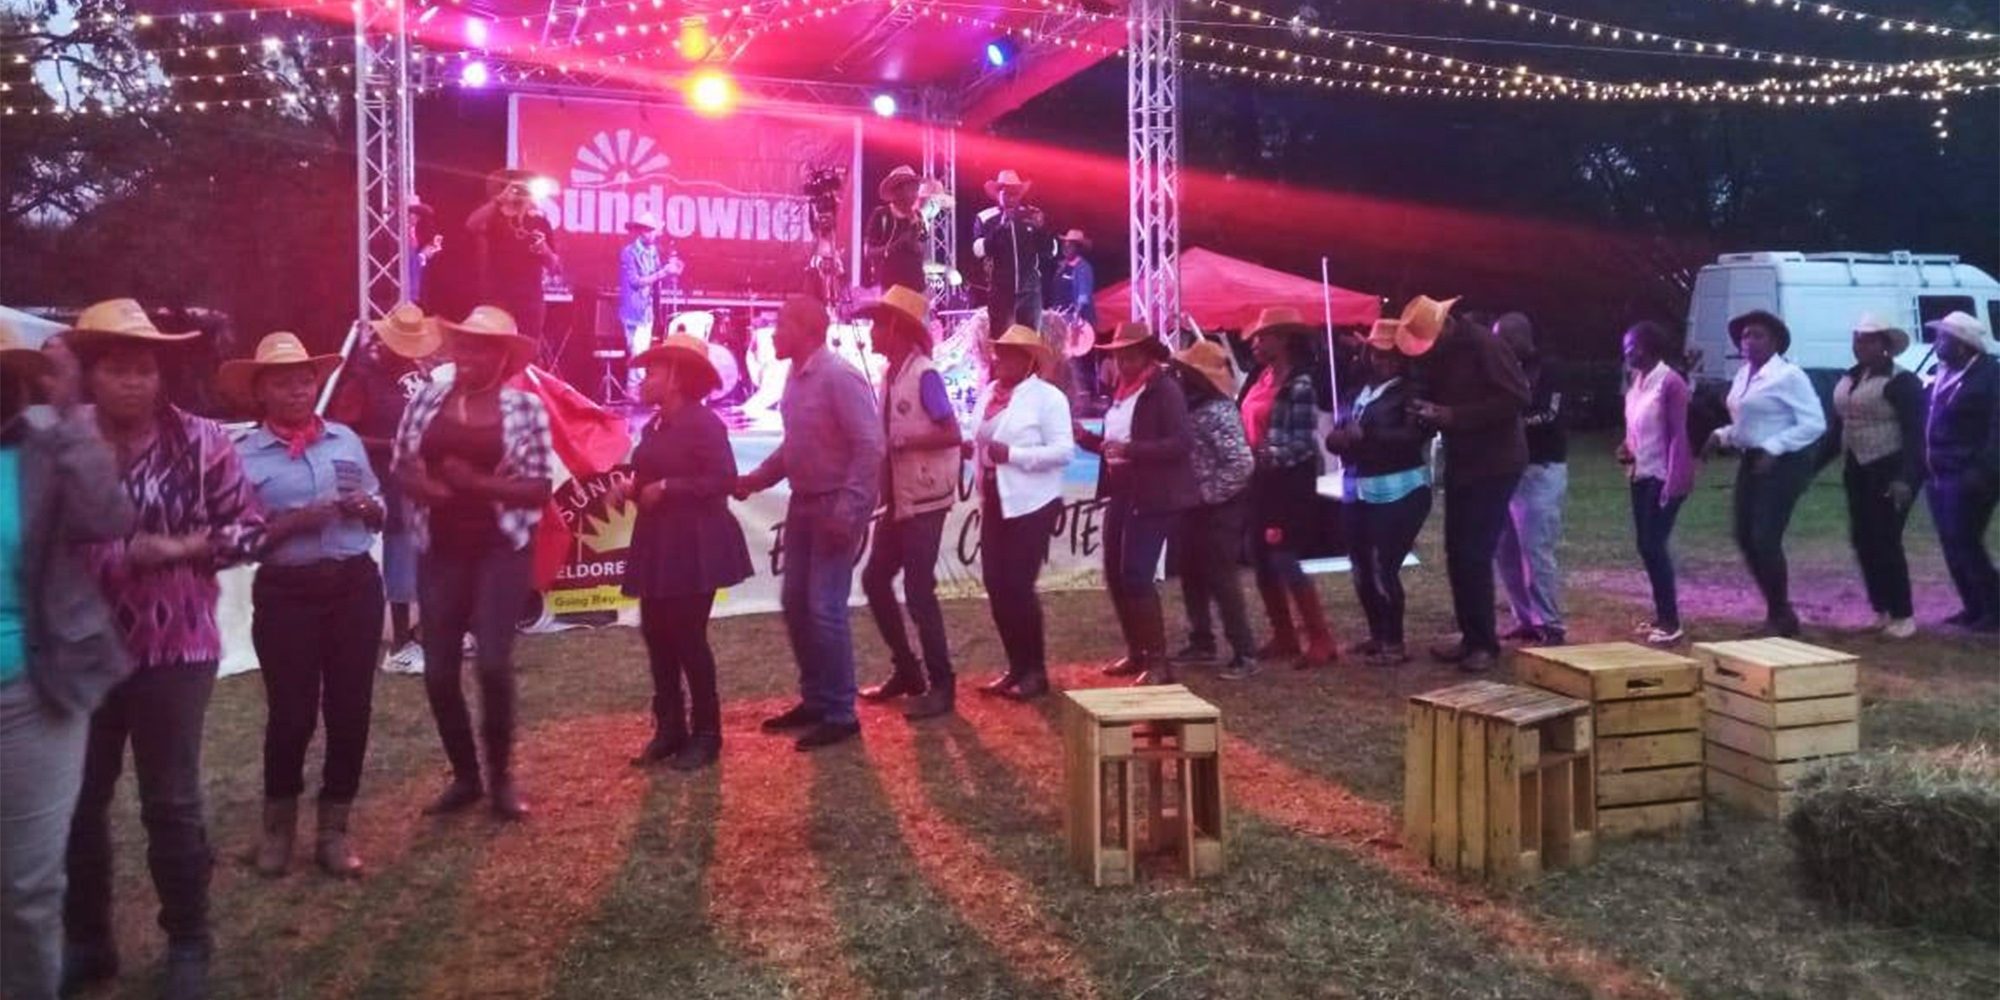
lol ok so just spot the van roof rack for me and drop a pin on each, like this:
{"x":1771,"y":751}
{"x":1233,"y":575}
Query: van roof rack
{"x":1837,"y":257}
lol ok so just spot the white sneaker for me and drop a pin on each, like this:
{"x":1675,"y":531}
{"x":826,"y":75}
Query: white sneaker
{"x":1900,"y":628}
{"x":407,"y":659}
{"x":468,"y":645}
{"x":1883,"y":620}
{"x":1642,"y":627}
{"x":1662,"y":637}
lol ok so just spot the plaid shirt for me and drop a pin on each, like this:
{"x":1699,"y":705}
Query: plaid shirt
{"x":527,"y":451}
{"x":1289,"y":439}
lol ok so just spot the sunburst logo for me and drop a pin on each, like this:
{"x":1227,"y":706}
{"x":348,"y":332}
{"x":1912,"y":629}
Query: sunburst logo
{"x":612,"y":532}
{"x":617,"y":159}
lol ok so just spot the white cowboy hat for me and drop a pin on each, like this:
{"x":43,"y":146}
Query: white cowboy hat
{"x":1962,"y":327}
{"x":1008,"y":180}
{"x":1870,"y":323}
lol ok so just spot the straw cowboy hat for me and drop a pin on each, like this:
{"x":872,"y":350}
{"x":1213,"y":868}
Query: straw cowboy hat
{"x":1382,"y":335}
{"x":496,"y":324}
{"x":899,"y":308}
{"x":16,"y":355}
{"x":1135,"y":335}
{"x":644,"y":222}
{"x":236,"y":379}
{"x":1964,"y":327}
{"x":1009,"y":181}
{"x":1210,"y":360}
{"x":1422,"y":323}
{"x":120,"y":321}
{"x":500,"y":180}
{"x":901,"y":176}
{"x":1075,"y":236}
{"x":1280,"y":320}
{"x":931,"y":191}
{"x":691,"y":353}
{"x":407,"y":332}
{"x":1021,"y":337}
{"x":1898,"y":338}
{"x":1767,"y":320}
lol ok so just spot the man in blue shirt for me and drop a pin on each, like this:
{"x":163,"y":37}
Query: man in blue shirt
{"x":639,"y":274}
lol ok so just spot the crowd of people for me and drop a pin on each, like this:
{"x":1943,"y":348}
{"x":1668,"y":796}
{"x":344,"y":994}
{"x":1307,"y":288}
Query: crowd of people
{"x":117,"y":511}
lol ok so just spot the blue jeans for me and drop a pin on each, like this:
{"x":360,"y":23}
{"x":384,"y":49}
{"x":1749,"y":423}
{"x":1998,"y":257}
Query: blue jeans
{"x":909,"y":547}
{"x":1652,"y":527}
{"x":818,"y":577}
{"x":1526,"y":559}
{"x":481,"y":593}
{"x":1763,"y":508}
{"x":41,"y":770}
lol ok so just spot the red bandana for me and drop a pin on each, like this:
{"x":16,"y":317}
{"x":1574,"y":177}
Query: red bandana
{"x":1002,"y":395}
{"x":298,"y":439}
{"x":1127,"y":390}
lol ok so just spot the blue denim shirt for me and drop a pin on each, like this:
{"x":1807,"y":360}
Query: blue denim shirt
{"x":335,"y":462}
{"x":834,"y":445}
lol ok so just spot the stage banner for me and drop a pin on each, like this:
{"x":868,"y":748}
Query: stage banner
{"x":730,"y":190}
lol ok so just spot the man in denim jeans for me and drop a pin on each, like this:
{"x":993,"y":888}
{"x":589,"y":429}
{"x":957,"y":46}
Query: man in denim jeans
{"x":832,"y":452}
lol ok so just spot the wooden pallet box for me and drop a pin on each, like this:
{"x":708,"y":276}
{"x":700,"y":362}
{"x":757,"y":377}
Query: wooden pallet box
{"x":1142,"y":774}
{"x":1498,"y":782}
{"x":1646,"y":711}
{"x":1773,"y":708}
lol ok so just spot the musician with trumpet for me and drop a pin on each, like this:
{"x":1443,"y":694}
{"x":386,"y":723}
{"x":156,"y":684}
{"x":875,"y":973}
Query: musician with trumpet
{"x":1013,"y":239}
{"x":513,"y":245}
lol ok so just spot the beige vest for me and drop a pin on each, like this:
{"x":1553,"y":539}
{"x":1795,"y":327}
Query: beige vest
{"x":919,"y":481}
{"x":1868,"y":427}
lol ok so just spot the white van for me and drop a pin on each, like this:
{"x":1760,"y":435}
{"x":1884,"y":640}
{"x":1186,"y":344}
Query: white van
{"x":1820,"y":295}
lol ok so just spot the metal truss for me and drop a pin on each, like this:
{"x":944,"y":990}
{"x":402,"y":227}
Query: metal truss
{"x":940,"y":135}
{"x":1153,"y":91}
{"x":385,"y":160}
{"x":565,"y":22}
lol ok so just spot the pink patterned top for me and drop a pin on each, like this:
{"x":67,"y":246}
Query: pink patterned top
{"x":188,"y":481}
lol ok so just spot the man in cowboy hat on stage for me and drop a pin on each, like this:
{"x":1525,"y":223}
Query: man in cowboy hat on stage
{"x":1010,"y":237}
{"x":894,"y":241}
{"x":639,"y":273}
{"x":513,"y":244}
{"x":1962,"y":459}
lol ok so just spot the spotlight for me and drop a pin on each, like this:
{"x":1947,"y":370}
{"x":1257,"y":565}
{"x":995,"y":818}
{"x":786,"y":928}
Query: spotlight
{"x":475,"y":74}
{"x":541,"y":188}
{"x":476,"y":34}
{"x":694,"y":41}
{"x":884,"y":105}
{"x":711,"y":93}
{"x":998,"y":53}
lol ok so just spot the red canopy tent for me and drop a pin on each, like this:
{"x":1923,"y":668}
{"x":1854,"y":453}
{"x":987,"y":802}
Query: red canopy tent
{"x":1223,"y":293}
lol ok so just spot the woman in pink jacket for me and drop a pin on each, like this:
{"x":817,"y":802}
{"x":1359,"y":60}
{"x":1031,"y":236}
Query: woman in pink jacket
{"x":1660,"y":462}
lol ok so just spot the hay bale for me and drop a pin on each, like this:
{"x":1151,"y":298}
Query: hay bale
{"x":1904,"y":838}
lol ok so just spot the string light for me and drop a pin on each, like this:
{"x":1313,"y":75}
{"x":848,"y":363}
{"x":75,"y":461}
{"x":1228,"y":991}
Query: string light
{"x":1618,"y":34}
{"x":1861,"y":19}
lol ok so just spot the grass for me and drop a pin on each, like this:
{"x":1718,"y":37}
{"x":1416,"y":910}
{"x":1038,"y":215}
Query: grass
{"x":925,"y":862}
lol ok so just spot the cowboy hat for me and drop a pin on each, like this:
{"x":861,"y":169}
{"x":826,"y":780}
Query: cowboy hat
{"x":644,"y":222}
{"x":689,"y":352}
{"x":407,"y":332}
{"x":899,"y":306}
{"x":1765,"y":319}
{"x":500,"y":180}
{"x":1022,"y":337}
{"x":1279,"y":320}
{"x":16,"y":354}
{"x":237,"y":377}
{"x":1963,"y":327}
{"x":1008,"y":180}
{"x":932,"y":191}
{"x":1135,"y":335}
{"x":419,"y":209}
{"x":1075,"y":236}
{"x":1422,"y":323}
{"x":902,"y":175}
{"x":1210,"y":360}
{"x":122,"y":320}
{"x":494,"y":323}
{"x":1382,"y":335}
{"x":1897,"y":337}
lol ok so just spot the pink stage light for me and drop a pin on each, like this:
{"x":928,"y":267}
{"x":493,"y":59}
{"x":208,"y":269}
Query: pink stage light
{"x":475,"y":74}
{"x":476,"y":32}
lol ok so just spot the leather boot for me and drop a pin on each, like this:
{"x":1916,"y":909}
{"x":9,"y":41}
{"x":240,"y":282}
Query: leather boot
{"x":332,"y":852}
{"x":1149,"y":633}
{"x":1130,"y":664}
{"x":1320,"y":650}
{"x":939,"y":700}
{"x":1284,"y":642}
{"x":281,"y":827}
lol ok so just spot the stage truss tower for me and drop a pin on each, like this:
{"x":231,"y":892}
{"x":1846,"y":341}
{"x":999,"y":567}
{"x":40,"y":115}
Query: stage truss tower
{"x":1153,"y":93}
{"x":385,"y":160}
{"x":940,"y":136}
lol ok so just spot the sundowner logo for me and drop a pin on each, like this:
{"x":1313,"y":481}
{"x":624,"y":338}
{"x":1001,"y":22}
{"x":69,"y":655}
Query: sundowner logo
{"x":619,"y":175}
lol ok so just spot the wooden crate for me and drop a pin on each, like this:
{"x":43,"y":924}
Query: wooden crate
{"x":1773,"y":708}
{"x":1646,"y":711}
{"x":1142,"y":774}
{"x":1498,"y":781}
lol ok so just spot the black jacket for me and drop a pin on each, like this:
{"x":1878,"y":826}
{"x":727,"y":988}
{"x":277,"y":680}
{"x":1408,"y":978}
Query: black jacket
{"x":1962,"y":431}
{"x":1478,"y":379}
{"x":1391,"y":439}
{"x":1018,"y":248}
{"x":1159,"y":473}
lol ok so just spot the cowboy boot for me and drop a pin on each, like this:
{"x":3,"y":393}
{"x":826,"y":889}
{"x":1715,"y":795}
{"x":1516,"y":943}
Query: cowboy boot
{"x":1321,"y":650}
{"x":1149,"y":629}
{"x":332,"y":852}
{"x":1133,"y":662}
{"x":1284,"y":638}
{"x":281,"y":827}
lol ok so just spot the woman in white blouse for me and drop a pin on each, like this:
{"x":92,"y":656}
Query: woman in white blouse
{"x":1020,"y":447}
{"x":1776,"y":421}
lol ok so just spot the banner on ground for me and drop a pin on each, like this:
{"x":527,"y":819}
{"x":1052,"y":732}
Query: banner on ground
{"x":729,"y":190}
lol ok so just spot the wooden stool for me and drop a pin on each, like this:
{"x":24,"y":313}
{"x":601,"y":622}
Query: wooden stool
{"x":1142,"y":772}
{"x":1775,"y":706}
{"x":1497,"y":781}
{"x":1645,"y":709}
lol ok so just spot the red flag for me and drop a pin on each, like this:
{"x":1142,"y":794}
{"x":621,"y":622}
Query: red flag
{"x":588,"y":440}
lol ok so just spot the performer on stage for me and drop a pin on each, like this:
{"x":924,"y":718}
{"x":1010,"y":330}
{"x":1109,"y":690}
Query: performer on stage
{"x":1074,"y":285}
{"x":640,"y":271}
{"x":513,"y":245}
{"x":1012,"y":238}
{"x":894,"y":239}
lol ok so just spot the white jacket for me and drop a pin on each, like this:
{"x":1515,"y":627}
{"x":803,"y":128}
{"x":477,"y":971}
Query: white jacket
{"x":1035,"y":427}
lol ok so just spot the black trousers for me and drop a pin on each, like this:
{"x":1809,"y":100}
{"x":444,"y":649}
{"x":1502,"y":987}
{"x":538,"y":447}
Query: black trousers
{"x":482,"y":593}
{"x":318,"y":632}
{"x":1011,"y":554}
{"x":1652,"y":528}
{"x":909,"y":547}
{"x":1004,"y":310}
{"x":1962,"y":506}
{"x":1209,"y":545}
{"x":1763,"y":507}
{"x":677,"y":650}
{"x":1875,"y":526}
{"x":1474,"y":514}
{"x":1379,"y":537}
{"x":160,"y":711}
